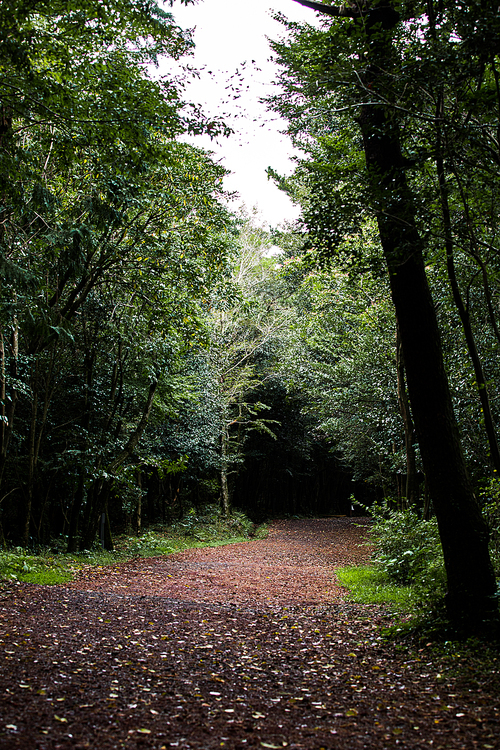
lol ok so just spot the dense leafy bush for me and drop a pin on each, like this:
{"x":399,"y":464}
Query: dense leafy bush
{"x":210,"y":524}
{"x":408,"y":551}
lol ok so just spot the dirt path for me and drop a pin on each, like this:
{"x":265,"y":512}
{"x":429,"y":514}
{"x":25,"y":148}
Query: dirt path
{"x":247,"y":646}
{"x":294,"y":565}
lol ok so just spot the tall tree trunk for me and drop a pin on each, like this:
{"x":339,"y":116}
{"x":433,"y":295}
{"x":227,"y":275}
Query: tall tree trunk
{"x":411,"y":490}
{"x":137,"y":434}
{"x":471,"y":601}
{"x":8,"y":402}
{"x":37,"y":426}
{"x":78,"y":498}
{"x":28,"y":501}
{"x":108,"y":537}
{"x":138,"y":507}
{"x":74,"y":517}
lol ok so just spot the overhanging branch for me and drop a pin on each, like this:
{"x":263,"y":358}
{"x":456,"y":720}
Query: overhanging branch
{"x":379,"y":12}
{"x":343,"y":11}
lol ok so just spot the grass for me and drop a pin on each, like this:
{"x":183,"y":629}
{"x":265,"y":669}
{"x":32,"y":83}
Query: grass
{"x":367,"y":585}
{"x":17,"y":565}
{"x":51,"y":567}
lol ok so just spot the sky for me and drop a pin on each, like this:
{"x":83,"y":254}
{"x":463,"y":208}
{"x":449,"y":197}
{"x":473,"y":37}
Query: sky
{"x":227,"y":34}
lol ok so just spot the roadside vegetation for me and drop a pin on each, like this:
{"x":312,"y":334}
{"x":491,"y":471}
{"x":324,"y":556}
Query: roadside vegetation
{"x":369,"y":585}
{"x":407,"y":572}
{"x":51,"y":565}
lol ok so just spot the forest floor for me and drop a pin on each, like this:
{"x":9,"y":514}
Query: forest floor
{"x":249,"y":645}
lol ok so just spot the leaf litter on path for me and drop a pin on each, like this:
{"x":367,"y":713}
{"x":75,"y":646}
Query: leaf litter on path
{"x":245,"y":646}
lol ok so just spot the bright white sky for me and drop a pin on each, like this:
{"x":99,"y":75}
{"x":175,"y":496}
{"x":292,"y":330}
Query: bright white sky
{"x":227,"y":34}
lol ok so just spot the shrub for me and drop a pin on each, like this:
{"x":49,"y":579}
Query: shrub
{"x":408,"y":551}
{"x":210,"y":524}
{"x":206,"y":527}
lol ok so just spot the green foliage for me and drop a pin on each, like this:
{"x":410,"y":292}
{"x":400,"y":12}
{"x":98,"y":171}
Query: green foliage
{"x":261,"y":531}
{"x":113,"y":237}
{"x":370,"y":585}
{"x":43,"y":569}
{"x":408,"y":551}
{"x":490,"y":497}
{"x":206,"y":528}
{"x":244,"y":327}
{"x":408,"y":571}
{"x":439,"y":57}
{"x":341,"y":356}
{"x":211,"y":525}
{"x":120,"y":268}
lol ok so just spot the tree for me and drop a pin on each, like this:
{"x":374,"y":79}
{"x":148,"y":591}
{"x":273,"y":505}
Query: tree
{"x":111,"y":234}
{"x":344,"y":359}
{"x":369,"y":53}
{"x":242,"y":325}
{"x":342,"y":355}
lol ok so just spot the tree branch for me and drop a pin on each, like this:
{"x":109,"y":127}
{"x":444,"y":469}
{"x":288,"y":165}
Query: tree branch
{"x":137,"y":433}
{"x":342,"y":11}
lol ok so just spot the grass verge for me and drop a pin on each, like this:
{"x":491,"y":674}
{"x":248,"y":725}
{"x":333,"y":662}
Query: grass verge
{"x":51,"y":567}
{"x":367,"y":585}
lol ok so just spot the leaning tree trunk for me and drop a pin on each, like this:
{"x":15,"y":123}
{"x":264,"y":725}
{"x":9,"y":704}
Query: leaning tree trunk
{"x":471,"y":601}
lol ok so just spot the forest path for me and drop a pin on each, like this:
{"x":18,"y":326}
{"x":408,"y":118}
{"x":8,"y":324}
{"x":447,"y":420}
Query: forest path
{"x":247,"y":646}
{"x":295,"y":564}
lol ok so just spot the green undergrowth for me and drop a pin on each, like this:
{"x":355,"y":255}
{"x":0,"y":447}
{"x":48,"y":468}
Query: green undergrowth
{"x":51,"y":566}
{"x":368,"y":585}
{"x":43,"y":568}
